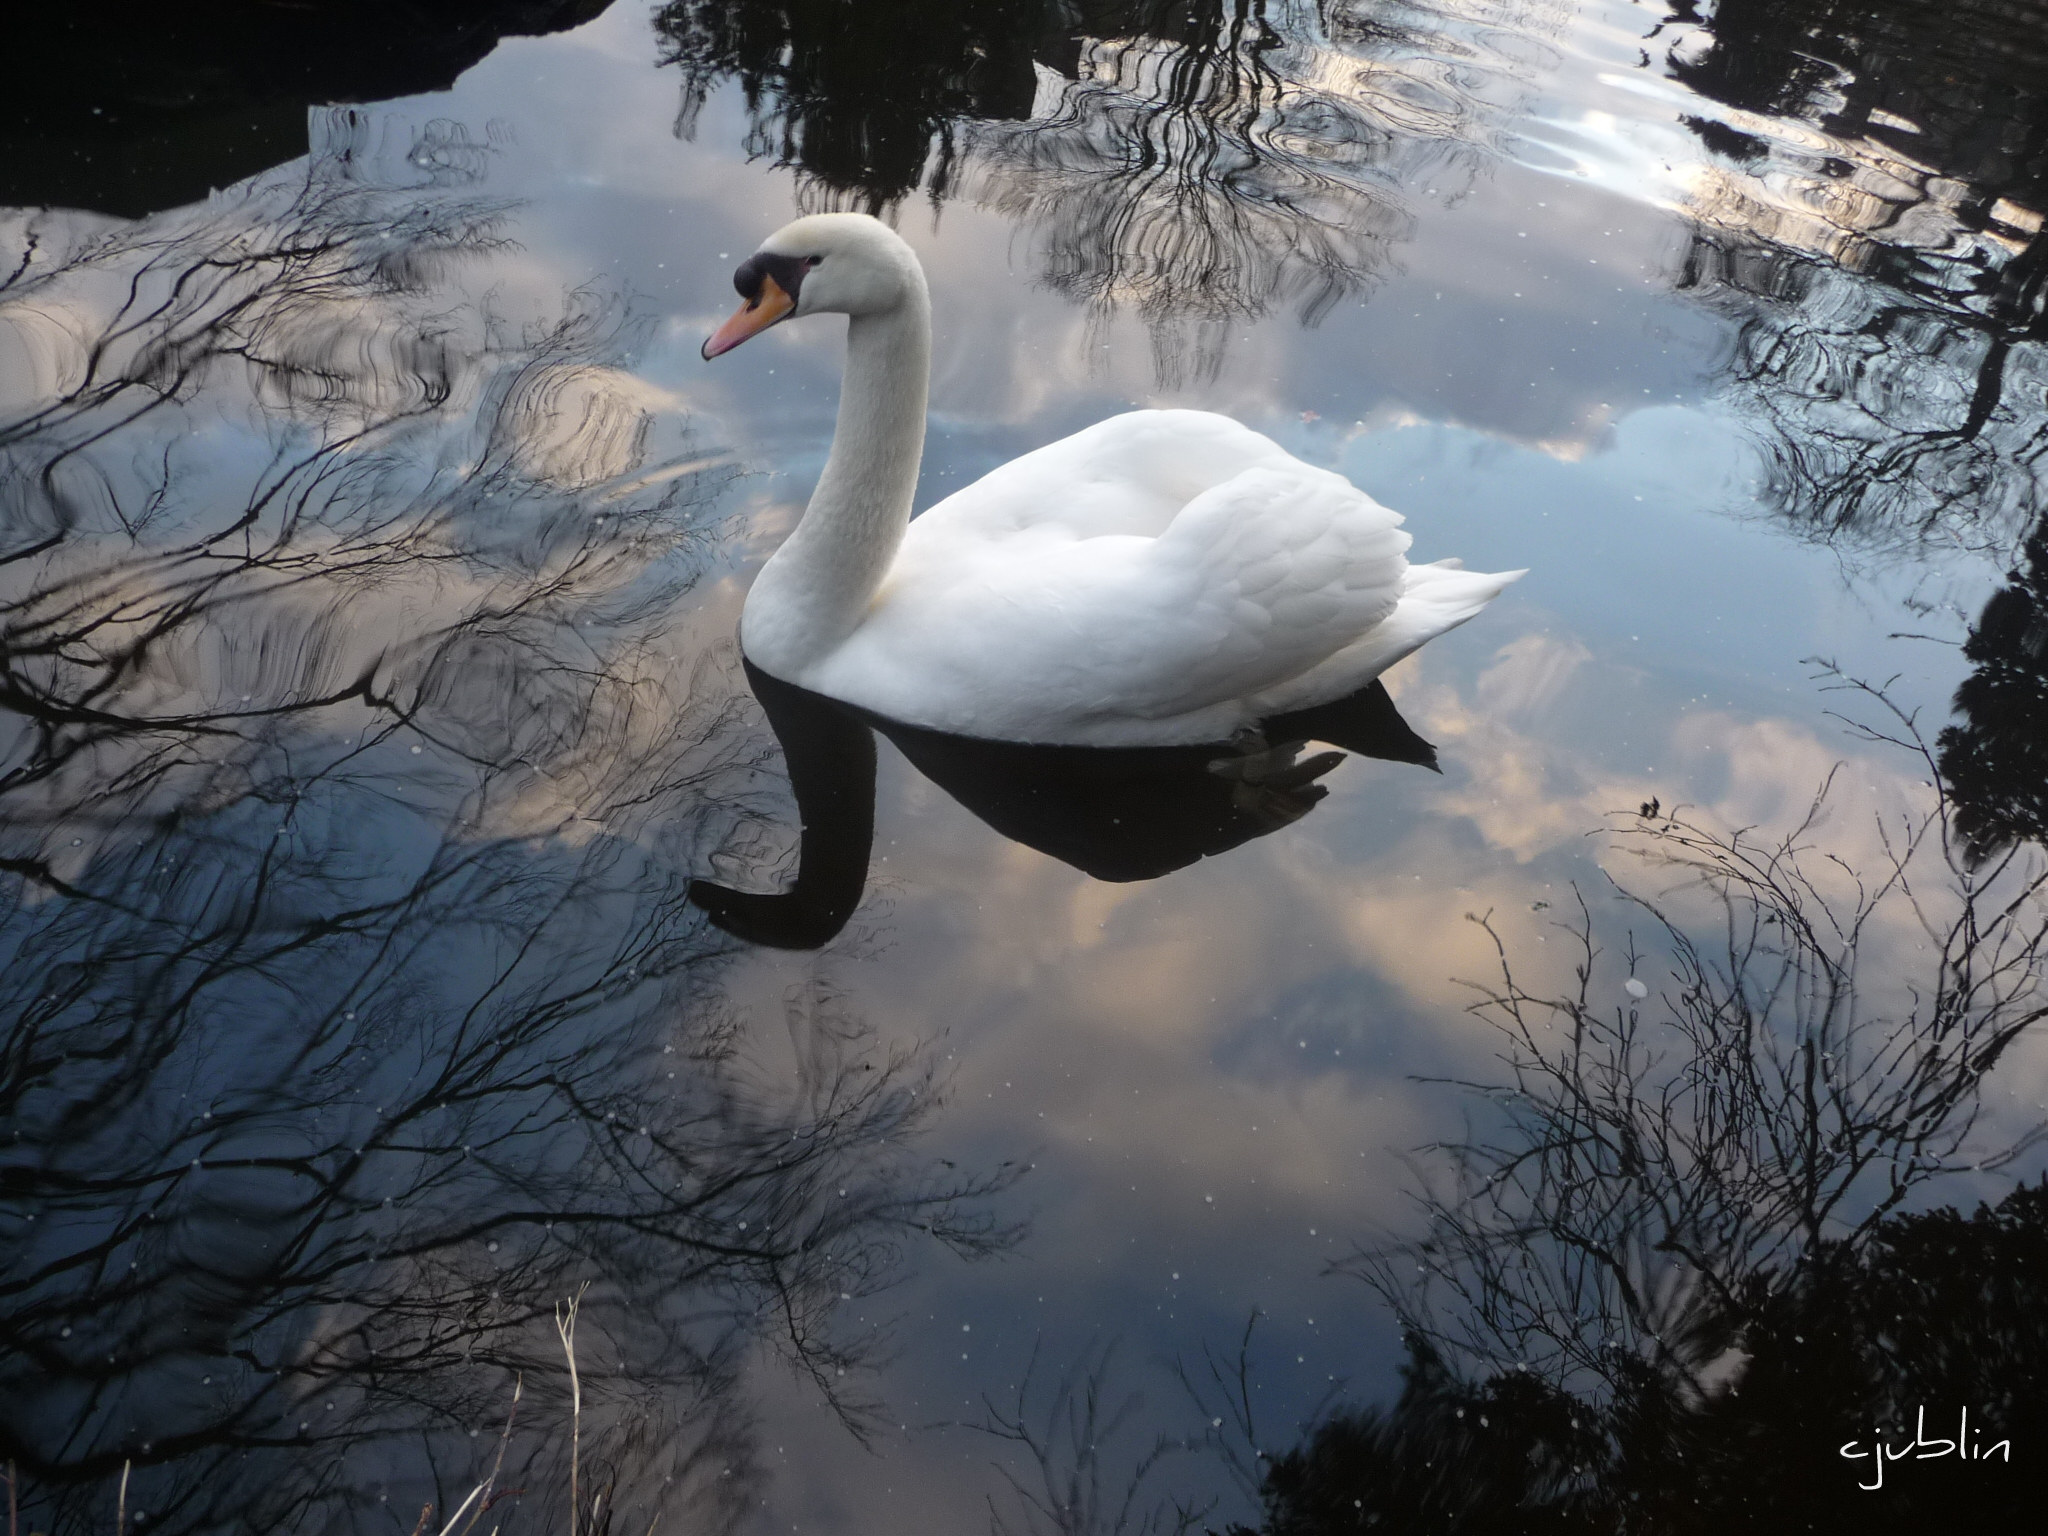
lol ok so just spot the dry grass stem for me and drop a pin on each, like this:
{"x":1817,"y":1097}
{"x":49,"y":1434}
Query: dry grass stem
{"x":565,"y":1326}
{"x":487,"y":1491}
{"x":460,"y":1509}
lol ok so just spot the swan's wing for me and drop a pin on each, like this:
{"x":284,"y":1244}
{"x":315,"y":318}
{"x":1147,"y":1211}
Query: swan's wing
{"x":1253,"y":581}
{"x":1285,"y":565}
{"x":1130,"y":474}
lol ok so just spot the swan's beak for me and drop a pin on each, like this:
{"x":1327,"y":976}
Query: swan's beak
{"x":753,"y":317}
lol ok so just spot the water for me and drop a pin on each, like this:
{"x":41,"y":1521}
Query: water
{"x":375,"y":544}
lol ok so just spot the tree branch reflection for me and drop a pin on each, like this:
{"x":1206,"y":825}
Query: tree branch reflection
{"x":1196,"y":164}
{"x":1679,"y":1263}
{"x":356,"y":1014}
{"x":1244,"y":162}
{"x":1873,"y":224}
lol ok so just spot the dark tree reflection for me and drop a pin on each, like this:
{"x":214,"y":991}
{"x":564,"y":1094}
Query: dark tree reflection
{"x":349,"y":787}
{"x":1874,"y":225}
{"x":1996,"y":756}
{"x":1199,"y":162}
{"x":139,"y":107}
{"x":1925,"y":1337}
{"x":1677,"y":1272}
{"x":1263,"y":159}
{"x":855,"y":96}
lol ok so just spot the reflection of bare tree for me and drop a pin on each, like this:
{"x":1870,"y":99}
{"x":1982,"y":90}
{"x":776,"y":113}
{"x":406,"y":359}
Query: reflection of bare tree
{"x":1877,"y":235}
{"x":1198,"y":163}
{"x":1263,"y":158}
{"x":1814,"y":1060}
{"x":1875,"y":228}
{"x":1090,"y":1465}
{"x":1679,"y":1267}
{"x":855,"y":96}
{"x":348,"y":793}
{"x":1893,"y":421}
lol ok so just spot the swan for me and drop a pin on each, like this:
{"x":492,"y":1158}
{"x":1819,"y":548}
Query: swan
{"x":1162,"y":578}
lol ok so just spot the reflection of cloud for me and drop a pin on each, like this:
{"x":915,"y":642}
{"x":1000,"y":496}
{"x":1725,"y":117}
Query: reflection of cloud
{"x":42,"y":354}
{"x":574,"y":425}
{"x":1173,"y":962}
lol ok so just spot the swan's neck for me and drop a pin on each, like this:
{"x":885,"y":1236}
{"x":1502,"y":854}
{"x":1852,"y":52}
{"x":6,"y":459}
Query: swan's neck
{"x":816,"y":589}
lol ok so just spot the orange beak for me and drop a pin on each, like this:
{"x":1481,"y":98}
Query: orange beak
{"x":767,"y":307}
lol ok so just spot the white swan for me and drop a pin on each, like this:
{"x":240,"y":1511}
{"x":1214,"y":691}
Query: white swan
{"x":1163,"y":577}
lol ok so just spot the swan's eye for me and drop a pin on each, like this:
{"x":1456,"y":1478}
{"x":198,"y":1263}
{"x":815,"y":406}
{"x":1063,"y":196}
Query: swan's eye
{"x":814,"y":261}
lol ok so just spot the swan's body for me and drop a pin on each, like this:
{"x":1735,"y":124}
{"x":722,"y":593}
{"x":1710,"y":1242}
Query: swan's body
{"x":1162,"y":577}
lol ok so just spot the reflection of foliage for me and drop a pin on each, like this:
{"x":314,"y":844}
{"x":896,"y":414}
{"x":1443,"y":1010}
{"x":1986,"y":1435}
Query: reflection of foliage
{"x":1996,"y":758}
{"x":162,"y":103}
{"x":1881,"y":246}
{"x":1890,"y":1338}
{"x":355,"y":1014}
{"x":855,"y":94}
{"x":1787,"y":1088}
{"x":1506,"y":1457}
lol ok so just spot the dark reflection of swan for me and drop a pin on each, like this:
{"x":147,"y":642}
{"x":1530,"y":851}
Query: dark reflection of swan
{"x":1117,"y":814}
{"x":352,"y":1014}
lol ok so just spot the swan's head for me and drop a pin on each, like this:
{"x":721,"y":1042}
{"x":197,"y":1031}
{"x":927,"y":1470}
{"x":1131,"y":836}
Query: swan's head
{"x":824,"y":263}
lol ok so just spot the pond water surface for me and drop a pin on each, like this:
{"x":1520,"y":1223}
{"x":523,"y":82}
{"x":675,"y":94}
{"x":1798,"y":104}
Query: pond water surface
{"x":374,"y":541}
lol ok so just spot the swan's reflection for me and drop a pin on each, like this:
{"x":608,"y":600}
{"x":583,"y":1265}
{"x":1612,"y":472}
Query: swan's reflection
{"x":1119,"y":814}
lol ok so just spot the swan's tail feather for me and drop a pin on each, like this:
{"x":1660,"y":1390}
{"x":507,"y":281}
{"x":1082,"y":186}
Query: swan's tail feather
{"x":1434,"y":598}
{"x":1445,"y":585}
